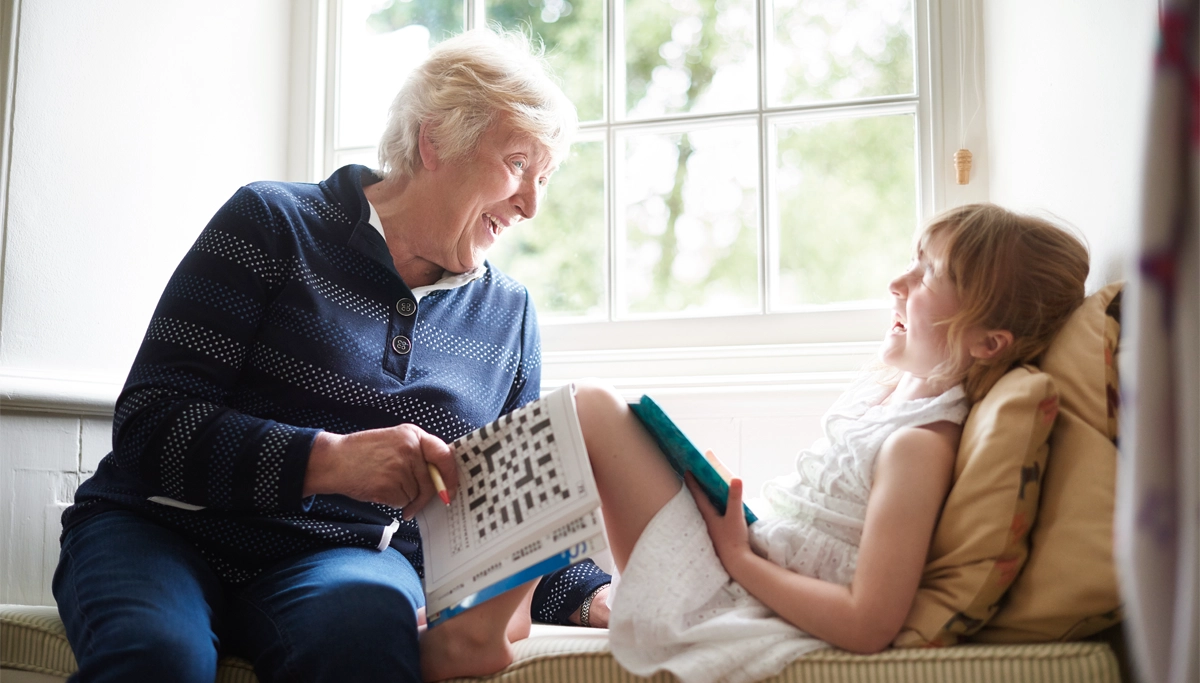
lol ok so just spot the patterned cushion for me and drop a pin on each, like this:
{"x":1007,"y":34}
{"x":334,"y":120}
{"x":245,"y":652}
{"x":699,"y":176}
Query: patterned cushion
{"x":588,"y":660}
{"x":1068,"y":589}
{"x":32,"y":639}
{"x":980,"y":542}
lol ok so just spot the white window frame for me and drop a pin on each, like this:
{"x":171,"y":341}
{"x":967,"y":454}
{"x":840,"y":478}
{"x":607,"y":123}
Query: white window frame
{"x":809,"y":348}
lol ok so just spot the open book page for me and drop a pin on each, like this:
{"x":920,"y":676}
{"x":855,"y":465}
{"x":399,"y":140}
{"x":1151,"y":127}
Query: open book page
{"x":526,"y":505}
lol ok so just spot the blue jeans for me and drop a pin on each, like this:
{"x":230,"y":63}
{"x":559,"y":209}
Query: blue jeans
{"x":140,"y":604}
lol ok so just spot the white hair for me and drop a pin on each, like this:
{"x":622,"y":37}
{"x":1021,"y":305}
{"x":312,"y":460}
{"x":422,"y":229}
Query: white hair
{"x":463,"y":87}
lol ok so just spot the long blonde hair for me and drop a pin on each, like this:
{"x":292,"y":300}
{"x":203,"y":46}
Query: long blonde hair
{"x":1011,"y":272}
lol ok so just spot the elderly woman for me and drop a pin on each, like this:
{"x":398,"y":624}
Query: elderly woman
{"x":312,"y":354}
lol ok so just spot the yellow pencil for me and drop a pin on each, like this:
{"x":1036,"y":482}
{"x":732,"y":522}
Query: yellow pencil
{"x":439,"y":484}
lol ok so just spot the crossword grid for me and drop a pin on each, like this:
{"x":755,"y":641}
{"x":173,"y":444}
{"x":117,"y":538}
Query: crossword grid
{"x":513,"y":473}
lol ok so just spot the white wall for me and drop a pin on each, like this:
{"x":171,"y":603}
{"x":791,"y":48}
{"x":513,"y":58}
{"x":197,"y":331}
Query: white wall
{"x":1067,"y":88}
{"x":133,"y":120}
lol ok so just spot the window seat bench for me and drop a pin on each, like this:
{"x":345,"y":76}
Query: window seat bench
{"x":34,"y":649}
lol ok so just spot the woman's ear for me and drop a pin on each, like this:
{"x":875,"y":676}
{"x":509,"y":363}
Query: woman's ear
{"x":990,"y":343}
{"x":429,"y":155}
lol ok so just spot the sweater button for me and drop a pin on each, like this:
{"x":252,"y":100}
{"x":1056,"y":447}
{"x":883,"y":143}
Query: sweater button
{"x":406,"y":307}
{"x":401,"y":345}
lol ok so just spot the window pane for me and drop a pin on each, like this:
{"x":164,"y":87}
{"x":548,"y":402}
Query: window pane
{"x":378,"y":49}
{"x":689,"y":56}
{"x":689,"y":209}
{"x":572,"y":31}
{"x":840,"y":49}
{"x":367,"y":156}
{"x":560,"y":255}
{"x":846,"y":201}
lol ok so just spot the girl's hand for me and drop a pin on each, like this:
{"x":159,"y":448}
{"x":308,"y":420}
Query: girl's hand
{"x":729,"y":533}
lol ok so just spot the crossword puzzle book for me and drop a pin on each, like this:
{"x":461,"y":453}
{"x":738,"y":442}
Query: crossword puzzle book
{"x":526,"y":505}
{"x":685,"y":457}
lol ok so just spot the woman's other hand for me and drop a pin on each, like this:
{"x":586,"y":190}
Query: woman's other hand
{"x":729,"y":532}
{"x":388,"y":466}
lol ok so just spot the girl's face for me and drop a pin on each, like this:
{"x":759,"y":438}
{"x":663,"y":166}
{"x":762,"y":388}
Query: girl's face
{"x":923,"y":296}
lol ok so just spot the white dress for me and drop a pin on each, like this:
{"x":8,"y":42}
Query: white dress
{"x":676,"y":608}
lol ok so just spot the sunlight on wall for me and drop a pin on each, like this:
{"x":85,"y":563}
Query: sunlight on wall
{"x":133,"y":121}
{"x":1067,"y":89}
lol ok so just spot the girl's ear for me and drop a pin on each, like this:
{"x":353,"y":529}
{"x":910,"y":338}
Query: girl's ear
{"x":429,"y":155}
{"x":990,"y":343}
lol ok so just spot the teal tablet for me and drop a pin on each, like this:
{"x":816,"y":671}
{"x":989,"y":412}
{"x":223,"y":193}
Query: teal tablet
{"x":683,"y":455}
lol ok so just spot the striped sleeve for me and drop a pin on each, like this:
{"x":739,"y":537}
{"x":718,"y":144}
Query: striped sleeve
{"x":527,"y":383}
{"x":172,"y":423}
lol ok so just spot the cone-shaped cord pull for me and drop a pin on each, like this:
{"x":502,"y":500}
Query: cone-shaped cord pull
{"x":962,"y":164}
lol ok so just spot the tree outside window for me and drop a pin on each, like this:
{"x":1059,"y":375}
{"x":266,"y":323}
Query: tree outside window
{"x":722,"y":169}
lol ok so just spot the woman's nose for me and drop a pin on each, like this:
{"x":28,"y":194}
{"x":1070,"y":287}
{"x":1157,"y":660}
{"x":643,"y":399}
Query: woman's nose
{"x":528,"y":198}
{"x":898,"y":286}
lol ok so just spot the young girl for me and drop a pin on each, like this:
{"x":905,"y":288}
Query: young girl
{"x":837,"y":555}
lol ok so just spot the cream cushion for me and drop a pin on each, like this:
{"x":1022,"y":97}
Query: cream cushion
{"x":980,"y":542}
{"x":33,"y":647}
{"x":1068,"y":589}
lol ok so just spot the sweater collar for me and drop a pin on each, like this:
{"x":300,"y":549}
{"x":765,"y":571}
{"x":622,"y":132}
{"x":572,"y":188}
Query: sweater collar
{"x":346,"y":185}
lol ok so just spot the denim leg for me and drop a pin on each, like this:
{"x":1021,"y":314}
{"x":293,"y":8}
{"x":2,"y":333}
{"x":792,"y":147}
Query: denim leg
{"x":138,"y":602}
{"x":343,"y":614}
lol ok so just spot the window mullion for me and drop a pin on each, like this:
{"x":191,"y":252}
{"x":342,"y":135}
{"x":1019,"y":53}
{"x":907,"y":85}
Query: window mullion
{"x":615,"y":79}
{"x":310,"y":94}
{"x":332,"y":86}
{"x":765,"y":232}
{"x":765,"y":248}
{"x":474,"y":13}
{"x":928,"y":115}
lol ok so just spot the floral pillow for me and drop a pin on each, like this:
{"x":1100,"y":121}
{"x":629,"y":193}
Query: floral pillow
{"x":1068,"y":589}
{"x":980,"y":543}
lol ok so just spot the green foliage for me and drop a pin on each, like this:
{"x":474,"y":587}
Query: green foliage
{"x":876,"y":64}
{"x":443,"y":18}
{"x":700,"y":231}
{"x":680,"y":42}
{"x":571,"y":31}
{"x":847,"y":207}
{"x":845,"y":188}
{"x":560,"y":254}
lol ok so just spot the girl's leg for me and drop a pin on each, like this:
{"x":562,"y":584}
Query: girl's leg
{"x":634,"y":480}
{"x":633,"y":476}
{"x":479,"y":641}
{"x":138,"y":601}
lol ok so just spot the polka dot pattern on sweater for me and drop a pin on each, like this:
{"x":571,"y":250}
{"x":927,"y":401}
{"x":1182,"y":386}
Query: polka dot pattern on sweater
{"x":239,"y":251}
{"x":275,"y":326}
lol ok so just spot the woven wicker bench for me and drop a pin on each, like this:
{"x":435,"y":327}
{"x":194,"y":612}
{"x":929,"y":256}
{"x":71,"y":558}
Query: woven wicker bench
{"x":33,"y":648}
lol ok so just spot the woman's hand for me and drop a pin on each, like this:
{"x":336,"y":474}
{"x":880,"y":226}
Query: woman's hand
{"x":729,"y":532}
{"x":388,"y":466}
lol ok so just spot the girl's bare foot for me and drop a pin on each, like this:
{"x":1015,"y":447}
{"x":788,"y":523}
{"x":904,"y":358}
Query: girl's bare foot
{"x":521,"y":622}
{"x":458,"y":648}
{"x":479,"y":641}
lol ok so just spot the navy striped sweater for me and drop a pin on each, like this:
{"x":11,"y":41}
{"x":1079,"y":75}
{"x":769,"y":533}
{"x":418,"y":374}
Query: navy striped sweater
{"x":287,"y":317}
